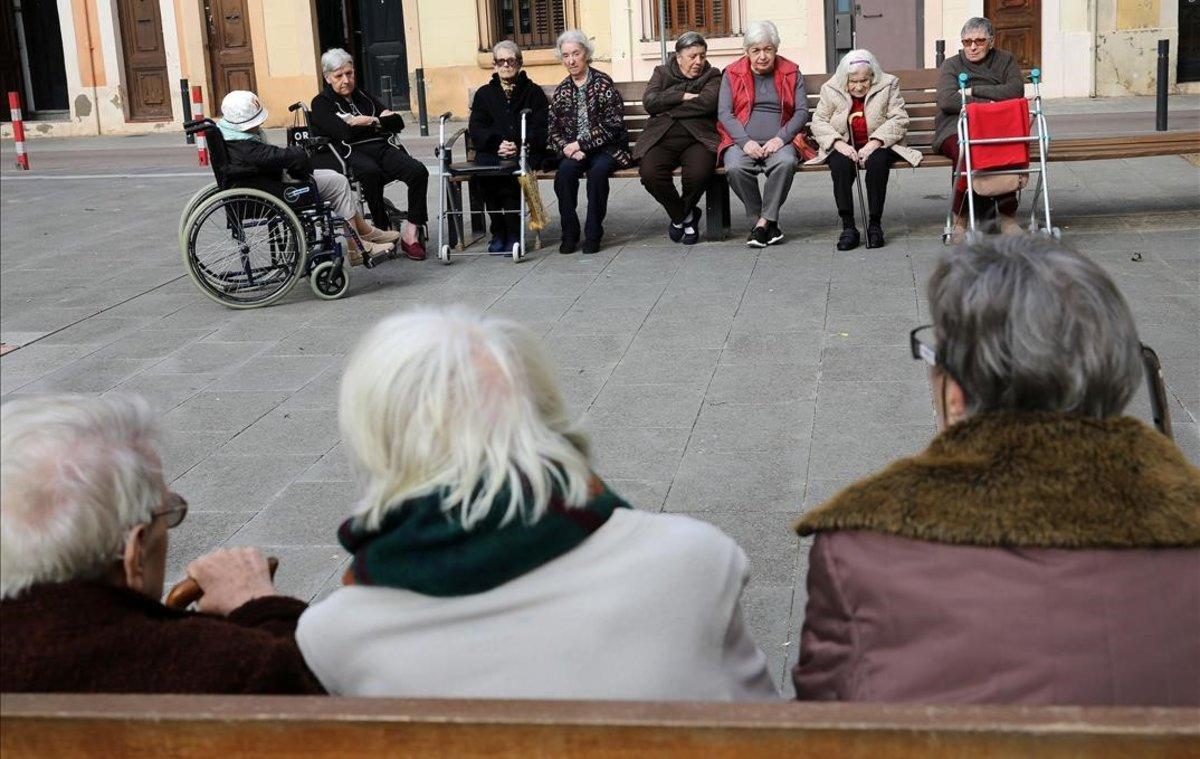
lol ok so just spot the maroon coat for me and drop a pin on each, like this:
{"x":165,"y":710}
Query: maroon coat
{"x":1021,"y":559}
{"x":93,"y":638}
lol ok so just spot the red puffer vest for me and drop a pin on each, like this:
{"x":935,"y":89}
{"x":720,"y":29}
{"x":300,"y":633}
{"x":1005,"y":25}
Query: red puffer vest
{"x":741,"y":85}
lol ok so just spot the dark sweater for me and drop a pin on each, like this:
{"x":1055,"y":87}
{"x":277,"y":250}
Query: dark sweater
{"x":996,"y":77}
{"x":327,"y":110}
{"x":251,"y":158}
{"x":88,"y":637}
{"x":663,"y":100}
{"x":495,"y":118}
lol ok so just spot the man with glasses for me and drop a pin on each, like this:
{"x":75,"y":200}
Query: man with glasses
{"x":495,"y":130}
{"x":1045,"y":548}
{"x":84,"y":516}
{"x":992,"y":75}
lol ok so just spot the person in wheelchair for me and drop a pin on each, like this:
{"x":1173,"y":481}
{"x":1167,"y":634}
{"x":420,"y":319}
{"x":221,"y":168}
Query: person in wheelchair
{"x":251,"y":155}
{"x":359,"y":127}
{"x":495,"y":130}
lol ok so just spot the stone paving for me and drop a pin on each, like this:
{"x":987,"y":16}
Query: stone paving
{"x":735,"y":385}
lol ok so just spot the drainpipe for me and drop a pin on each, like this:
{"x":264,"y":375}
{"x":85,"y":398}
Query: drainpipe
{"x":1094,"y":23}
{"x":87,"y":22}
{"x":629,"y":21}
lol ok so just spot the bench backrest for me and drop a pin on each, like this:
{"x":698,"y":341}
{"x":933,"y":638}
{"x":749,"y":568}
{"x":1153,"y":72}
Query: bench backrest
{"x":81,"y":725}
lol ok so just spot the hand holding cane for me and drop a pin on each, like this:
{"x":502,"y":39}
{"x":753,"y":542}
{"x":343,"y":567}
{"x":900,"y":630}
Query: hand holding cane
{"x":862,"y":203}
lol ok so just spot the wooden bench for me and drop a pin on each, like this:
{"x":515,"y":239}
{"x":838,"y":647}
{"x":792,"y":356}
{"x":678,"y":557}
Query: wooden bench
{"x":919,"y":88}
{"x":78,"y":725}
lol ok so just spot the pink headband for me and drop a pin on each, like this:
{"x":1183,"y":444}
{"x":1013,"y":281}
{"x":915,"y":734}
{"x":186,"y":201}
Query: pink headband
{"x":857,"y":61}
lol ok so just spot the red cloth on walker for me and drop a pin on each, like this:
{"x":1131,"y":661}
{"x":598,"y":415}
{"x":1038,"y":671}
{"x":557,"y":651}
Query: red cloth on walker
{"x":985,"y":121}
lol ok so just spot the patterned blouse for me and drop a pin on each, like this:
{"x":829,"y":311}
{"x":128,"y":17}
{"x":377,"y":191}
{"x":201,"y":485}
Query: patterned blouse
{"x":593,"y":114}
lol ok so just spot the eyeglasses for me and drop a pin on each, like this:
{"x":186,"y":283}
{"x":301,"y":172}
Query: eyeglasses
{"x":506,"y":62}
{"x":976,"y":42}
{"x":919,"y":343}
{"x":175,"y":509}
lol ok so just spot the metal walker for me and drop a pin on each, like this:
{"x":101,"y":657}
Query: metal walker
{"x":1040,"y":135}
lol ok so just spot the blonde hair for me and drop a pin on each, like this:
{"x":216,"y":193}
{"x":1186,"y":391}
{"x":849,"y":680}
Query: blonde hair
{"x":853,"y":60}
{"x":76,"y":474}
{"x":446,"y":400}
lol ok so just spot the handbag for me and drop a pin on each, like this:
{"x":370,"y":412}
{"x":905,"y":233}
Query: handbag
{"x":999,"y":184}
{"x":806,"y":147}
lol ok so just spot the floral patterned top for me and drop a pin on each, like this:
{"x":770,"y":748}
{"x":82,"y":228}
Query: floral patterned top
{"x":605,"y":122}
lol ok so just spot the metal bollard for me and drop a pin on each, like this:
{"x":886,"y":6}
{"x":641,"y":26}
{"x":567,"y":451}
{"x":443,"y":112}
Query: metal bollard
{"x":14,"y":105}
{"x":940,"y":47}
{"x":187,"y":107}
{"x":422,"y":110}
{"x":1160,"y":87}
{"x":197,"y":114}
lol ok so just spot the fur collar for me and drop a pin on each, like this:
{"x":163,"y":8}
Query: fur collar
{"x":1030,"y":480}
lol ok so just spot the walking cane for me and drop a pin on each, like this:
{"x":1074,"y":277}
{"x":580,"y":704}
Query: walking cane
{"x":862,"y":203}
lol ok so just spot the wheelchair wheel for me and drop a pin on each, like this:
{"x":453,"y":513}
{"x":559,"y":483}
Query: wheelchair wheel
{"x":329,"y":280}
{"x":203,"y":194}
{"x":244,"y":248}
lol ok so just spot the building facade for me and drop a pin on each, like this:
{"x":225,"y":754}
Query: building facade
{"x":114,"y":66}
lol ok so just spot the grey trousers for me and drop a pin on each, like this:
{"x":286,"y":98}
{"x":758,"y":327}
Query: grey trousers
{"x":743,"y":171}
{"x":334,"y":189}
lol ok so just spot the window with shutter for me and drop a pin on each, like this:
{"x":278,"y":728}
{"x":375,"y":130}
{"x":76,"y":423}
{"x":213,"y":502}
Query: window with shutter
{"x":529,"y":23}
{"x":709,"y":17}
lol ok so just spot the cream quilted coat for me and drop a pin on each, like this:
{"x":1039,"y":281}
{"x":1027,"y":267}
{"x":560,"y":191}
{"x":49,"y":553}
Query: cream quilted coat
{"x":887,"y":121}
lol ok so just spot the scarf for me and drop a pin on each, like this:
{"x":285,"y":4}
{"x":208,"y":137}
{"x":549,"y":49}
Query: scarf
{"x":232,"y":134}
{"x":422,"y":547}
{"x":1030,"y":480}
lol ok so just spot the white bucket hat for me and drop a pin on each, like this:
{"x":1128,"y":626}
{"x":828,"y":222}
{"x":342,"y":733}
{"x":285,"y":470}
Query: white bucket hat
{"x":242,"y":111}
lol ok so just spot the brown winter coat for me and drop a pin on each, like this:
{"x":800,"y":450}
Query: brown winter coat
{"x":883,"y":107}
{"x":88,"y":637}
{"x":1021,"y":558}
{"x":663,"y":100}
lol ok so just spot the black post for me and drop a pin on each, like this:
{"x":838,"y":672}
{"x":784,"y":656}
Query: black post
{"x":422,"y":111}
{"x":940,"y":47}
{"x":1160,"y":87}
{"x":185,"y":94}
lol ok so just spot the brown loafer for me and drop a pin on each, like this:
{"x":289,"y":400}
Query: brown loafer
{"x":381,"y":235}
{"x":414,"y":250}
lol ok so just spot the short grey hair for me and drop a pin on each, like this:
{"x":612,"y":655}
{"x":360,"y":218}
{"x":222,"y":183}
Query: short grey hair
{"x":856,"y":59}
{"x":759,"y":32}
{"x":690,"y":39}
{"x":510,"y":46}
{"x":1024,"y":323}
{"x":980,"y":23}
{"x":333,"y":59}
{"x":577,"y":37}
{"x":76,"y":474}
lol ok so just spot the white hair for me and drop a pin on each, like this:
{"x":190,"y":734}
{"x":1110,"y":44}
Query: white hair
{"x":853,"y":61}
{"x":511,"y":47}
{"x":76,"y":474}
{"x":442,"y":400}
{"x":333,"y":59}
{"x":577,"y":37}
{"x":760,"y":32}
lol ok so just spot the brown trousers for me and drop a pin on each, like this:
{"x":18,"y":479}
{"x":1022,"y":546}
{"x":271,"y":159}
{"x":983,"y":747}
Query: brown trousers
{"x":677,"y":148}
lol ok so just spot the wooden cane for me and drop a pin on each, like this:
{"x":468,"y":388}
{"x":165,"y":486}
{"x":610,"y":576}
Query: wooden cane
{"x":187,"y":591}
{"x":862,"y":203}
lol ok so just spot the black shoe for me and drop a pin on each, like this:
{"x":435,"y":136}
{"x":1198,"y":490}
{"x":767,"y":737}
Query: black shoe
{"x":758,"y":238}
{"x":849,"y":239}
{"x":591,"y":246}
{"x":567,"y":245}
{"x":875,"y":236}
{"x":774,"y":234}
{"x":676,"y":232}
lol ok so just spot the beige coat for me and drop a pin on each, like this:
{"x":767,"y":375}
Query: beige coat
{"x":887,"y":121}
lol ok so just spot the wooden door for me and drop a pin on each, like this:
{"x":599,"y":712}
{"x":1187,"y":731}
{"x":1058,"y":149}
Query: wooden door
{"x":1018,"y":28}
{"x":889,"y":29}
{"x":1189,"y":41}
{"x":11,"y":78}
{"x":147,"y":90}
{"x":383,"y":52}
{"x":231,"y":58}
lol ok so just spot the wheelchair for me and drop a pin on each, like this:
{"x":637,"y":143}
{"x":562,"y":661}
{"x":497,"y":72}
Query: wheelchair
{"x":247,"y":242}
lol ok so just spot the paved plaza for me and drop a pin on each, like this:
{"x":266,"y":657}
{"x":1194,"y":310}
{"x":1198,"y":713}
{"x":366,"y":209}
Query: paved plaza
{"x":739,"y":386}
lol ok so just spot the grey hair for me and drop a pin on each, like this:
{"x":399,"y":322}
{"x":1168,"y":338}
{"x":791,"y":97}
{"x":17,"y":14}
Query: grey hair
{"x":579,"y":38}
{"x":978,"y":22}
{"x":333,"y":59}
{"x":853,"y":60}
{"x":690,"y":39}
{"x":1023,"y":323}
{"x":511,"y":47}
{"x":759,"y":32}
{"x":76,"y":474}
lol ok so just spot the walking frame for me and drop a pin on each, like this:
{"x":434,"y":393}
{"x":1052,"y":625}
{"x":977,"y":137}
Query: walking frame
{"x":451,"y":230}
{"x":964,"y":168}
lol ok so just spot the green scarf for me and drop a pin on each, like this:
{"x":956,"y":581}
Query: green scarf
{"x":423,"y":548}
{"x":233,"y":134}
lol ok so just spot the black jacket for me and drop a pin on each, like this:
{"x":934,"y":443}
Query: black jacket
{"x":495,"y":118}
{"x":327,"y":110}
{"x":251,"y":158}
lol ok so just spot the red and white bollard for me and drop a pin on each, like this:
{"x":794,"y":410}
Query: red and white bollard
{"x":14,"y":105}
{"x":197,"y":114}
